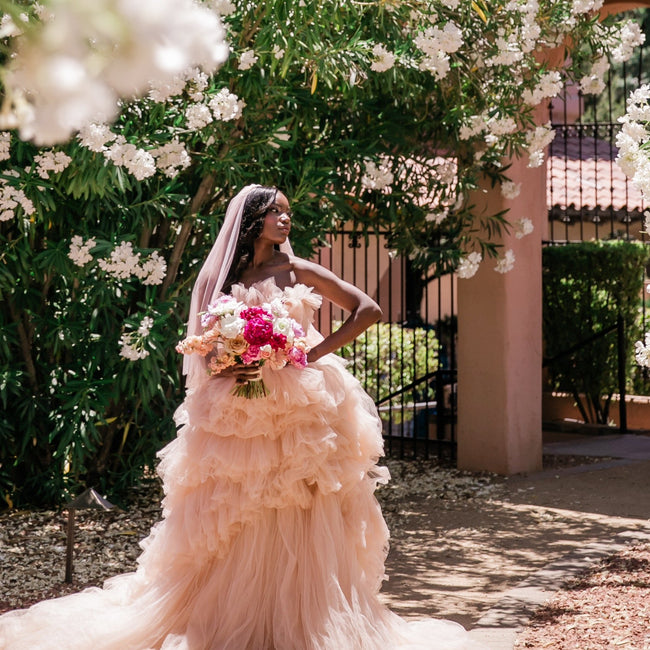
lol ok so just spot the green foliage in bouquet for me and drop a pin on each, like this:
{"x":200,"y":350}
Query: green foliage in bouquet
{"x":586,"y":286}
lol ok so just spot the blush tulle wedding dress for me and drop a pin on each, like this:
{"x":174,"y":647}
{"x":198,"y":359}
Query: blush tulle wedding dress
{"x":271,"y":538}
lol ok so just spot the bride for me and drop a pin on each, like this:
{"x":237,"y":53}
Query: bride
{"x":271,"y":537}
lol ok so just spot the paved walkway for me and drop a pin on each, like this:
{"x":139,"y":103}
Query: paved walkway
{"x":615,"y":482}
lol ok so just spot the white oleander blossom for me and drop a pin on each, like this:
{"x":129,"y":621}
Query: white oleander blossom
{"x":72,"y":69}
{"x":594,"y":82}
{"x":505,"y":263}
{"x":468,"y":266}
{"x":630,"y":37}
{"x":510,"y":190}
{"x":10,"y":198}
{"x":586,"y":6}
{"x":247,"y":60}
{"x":523,"y":227}
{"x":278,"y":52}
{"x":51,"y":162}
{"x":377,"y":177}
{"x":132,"y":344}
{"x":642,"y":352}
{"x":632,"y":140}
{"x":171,"y":158}
{"x":137,"y":161}
{"x":198,"y":116}
{"x":549,"y":85}
{"x":124,"y":263}
{"x":536,"y":141}
{"x":5,"y":145}
{"x":95,"y":137}
{"x":79,"y":251}
{"x":437,"y":44}
{"x":226,"y":106}
{"x":384,"y":60}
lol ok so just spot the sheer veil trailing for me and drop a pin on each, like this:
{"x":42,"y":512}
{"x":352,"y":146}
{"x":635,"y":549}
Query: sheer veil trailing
{"x":212,"y":277}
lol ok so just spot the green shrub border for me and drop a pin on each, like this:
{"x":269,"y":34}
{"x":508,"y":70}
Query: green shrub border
{"x":586,"y":287}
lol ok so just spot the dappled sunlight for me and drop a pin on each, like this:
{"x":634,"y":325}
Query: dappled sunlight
{"x":456,"y":560}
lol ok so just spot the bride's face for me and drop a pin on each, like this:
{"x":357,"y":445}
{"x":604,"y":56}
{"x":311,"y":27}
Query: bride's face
{"x":277,"y":221}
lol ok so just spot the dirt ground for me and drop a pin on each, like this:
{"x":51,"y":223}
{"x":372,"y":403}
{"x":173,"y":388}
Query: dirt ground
{"x":459,"y":540}
{"x":454,"y":559}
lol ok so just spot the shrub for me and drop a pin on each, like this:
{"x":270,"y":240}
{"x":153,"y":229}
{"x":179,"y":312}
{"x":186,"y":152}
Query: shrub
{"x":587,"y":286}
{"x":389,"y":356}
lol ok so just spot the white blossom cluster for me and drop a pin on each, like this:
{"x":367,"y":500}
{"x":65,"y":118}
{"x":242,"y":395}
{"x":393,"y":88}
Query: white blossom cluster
{"x":10,"y":198}
{"x":642,"y":352}
{"x":510,"y":190}
{"x":247,"y":60}
{"x":594,"y":82}
{"x":79,"y":251}
{"x":123,"y":263}
{"x":468,"y":266}
{"x":224,"y":106}
{"x":505,"y":263}
{"x":383,"y":59}
{"x":5,"y":145}
{"x":586,"y":6}
{"x":137,"y":161}
{"x":72,"y":68}
{"x":549,"y":85}
{"x":630,"y":37}
{"x":133,"y":343}
{"x":633,"y":140}
{"x":377,"y":177}
{"x":169,"y":158}
{"x":51,"y":161}
{"x":523,"y":227}
{"x":437,"y":44}
{"x":536,"y":141}
{"x":193,"y":81}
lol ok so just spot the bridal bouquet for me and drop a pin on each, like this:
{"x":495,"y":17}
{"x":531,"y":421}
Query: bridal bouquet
{"x":235,"y":333}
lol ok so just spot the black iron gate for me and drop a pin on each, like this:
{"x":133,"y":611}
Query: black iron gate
{"x":407,"y":361}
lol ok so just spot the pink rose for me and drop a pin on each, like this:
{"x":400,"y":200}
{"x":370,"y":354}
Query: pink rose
{"x":251,"y":355}
{"x":297,"y":357}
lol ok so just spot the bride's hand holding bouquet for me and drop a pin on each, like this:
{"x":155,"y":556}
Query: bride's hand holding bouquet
{"x":241,"y":339}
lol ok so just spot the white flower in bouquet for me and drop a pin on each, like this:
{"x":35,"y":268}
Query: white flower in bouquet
{"x":231,"y":325}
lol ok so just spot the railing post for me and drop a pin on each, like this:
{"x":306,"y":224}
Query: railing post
{"x":620,"y":340}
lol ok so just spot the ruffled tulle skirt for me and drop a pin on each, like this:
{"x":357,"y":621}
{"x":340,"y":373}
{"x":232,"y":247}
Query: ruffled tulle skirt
{"x":271,"y":536}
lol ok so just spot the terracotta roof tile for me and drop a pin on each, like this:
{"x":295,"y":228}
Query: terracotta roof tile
{"x":582,"y":175}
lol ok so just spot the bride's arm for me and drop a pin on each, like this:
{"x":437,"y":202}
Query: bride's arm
{"x":364,"y":311}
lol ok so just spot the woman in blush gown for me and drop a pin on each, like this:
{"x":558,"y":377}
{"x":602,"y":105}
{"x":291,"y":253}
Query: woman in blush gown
{"x":271,"y":537}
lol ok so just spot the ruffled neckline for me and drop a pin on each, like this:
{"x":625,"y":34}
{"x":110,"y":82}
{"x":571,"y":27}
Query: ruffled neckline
{"x":267,"y":289}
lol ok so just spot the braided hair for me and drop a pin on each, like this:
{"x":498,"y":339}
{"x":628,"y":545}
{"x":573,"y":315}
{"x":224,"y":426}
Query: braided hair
{"x":255,"y":208}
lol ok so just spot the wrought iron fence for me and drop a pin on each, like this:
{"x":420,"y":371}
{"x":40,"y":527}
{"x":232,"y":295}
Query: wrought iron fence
{"x":407,"y":361}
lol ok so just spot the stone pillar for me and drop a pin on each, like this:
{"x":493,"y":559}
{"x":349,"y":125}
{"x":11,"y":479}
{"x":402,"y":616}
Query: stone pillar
{"x":500,"y":341}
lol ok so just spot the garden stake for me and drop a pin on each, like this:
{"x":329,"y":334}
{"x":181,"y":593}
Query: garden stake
{"x":88,"y":500}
